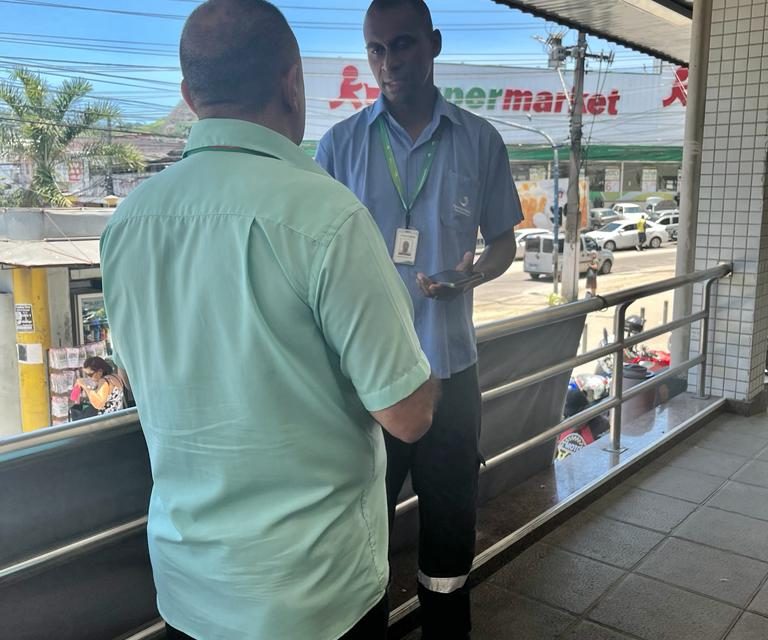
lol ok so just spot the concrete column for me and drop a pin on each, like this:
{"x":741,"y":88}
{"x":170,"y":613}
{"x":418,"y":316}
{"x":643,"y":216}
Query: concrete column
{"x":732,"y":224}
{"x":30,"y":289}
{"x":689,"y":189}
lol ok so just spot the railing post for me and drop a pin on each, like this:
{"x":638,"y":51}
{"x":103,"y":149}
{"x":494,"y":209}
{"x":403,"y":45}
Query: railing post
{"x":617,"y":380}
{"x":704,"y":342}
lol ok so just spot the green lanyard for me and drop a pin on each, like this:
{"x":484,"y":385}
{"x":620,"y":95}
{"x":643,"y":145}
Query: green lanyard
{"x":395,"y":174}
{"x":251,"y":152}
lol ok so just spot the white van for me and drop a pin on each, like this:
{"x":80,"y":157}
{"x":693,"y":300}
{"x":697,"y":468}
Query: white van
{"x":538,"y":255}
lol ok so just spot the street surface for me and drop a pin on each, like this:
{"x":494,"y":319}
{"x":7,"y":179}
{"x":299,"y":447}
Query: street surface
{"x":515,"y":294}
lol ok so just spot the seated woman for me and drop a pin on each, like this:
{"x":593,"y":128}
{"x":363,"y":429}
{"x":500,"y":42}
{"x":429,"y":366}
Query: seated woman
{"x":104,"y":389}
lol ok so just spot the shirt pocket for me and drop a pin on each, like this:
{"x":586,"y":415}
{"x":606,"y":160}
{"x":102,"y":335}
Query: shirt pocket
{"x":461,"y":206}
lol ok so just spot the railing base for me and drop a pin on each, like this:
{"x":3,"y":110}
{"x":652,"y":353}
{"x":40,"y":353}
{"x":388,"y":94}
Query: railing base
{"x":619,"y":450}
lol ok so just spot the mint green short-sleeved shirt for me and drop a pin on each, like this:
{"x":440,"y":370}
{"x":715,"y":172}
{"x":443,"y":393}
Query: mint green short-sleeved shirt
{"x":259,"y":317}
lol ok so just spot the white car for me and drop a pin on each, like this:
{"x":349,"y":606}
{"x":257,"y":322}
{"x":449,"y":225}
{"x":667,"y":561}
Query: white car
{"x":622,"y":234}
{"x":628,"y":210}
{"x":669,"y":220}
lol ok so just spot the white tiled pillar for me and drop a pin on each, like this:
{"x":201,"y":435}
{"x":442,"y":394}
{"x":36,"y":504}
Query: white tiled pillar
{"x":732,"y":224}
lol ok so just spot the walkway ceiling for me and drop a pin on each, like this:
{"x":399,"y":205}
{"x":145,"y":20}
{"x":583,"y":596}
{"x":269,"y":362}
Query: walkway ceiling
{"x":49,"y":253}
{"x":661,"y":28}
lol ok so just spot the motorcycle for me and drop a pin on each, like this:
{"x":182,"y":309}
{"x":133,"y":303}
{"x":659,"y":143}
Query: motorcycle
{"x":652,"y":359}
{"x":584,"y":390}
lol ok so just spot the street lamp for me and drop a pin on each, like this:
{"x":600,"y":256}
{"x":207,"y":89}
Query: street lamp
{"x":556,"y":188}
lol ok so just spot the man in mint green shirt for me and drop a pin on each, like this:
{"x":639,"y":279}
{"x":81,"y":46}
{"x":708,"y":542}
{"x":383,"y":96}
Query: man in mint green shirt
{"x":265,"y":331}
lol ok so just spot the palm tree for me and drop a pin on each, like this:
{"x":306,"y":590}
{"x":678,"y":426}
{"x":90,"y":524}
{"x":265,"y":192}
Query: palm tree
{"x":42,"y":124}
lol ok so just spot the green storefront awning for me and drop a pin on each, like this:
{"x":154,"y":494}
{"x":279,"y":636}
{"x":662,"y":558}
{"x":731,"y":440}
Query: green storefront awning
{"x":599,"y":153}
{"x":594,"y":153}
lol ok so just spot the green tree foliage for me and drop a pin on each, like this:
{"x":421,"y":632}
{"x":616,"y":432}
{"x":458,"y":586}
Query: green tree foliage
{"x":41,"y":124}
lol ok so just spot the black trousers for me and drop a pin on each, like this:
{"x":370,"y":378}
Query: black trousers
{"x":444,"y":468}
{"x":372,"y":626}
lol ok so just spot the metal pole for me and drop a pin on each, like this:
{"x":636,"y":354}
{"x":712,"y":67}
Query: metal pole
{"x":689,"y":190}
{"x":555,"y":179}
{"x":556,"y":220}
{"x":665,"y":313}
{"x":571,"y":250}
{"x":621,"y":180}
{"x":617,"y":379}
{"x":110,"y":184}
{"x":703,"y":342}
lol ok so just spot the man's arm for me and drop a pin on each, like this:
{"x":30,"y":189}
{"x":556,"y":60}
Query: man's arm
{"x":410,"y":418}
{"x":497,"y":257}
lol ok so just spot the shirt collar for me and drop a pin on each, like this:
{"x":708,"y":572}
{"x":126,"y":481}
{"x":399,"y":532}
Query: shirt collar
{"x":442,"y":108}
{"x":226,"y":132}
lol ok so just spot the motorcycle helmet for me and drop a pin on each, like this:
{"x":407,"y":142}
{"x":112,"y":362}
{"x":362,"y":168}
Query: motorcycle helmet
{"x":634,"y":324}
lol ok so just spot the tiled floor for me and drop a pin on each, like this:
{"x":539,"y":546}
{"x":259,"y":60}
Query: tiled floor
{"x":679,"y":551}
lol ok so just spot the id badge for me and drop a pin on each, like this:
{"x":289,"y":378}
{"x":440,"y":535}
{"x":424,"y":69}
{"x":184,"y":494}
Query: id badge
{"x":406,"y":244}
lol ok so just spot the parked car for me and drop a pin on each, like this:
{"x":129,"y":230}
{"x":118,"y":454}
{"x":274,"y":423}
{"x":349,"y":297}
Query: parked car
{"x":537,"y":260}
{"x":657,"y":206}
{"x":601,"y":217}
{"x":669,"y":220}
{"x":628,"y":210}
{"x":622,"y":234}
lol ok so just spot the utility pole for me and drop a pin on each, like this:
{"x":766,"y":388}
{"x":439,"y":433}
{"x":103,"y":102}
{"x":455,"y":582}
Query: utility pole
{"x":569,"y":269}
{"x":573,"y":215}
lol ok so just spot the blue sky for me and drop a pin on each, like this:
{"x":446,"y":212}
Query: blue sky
{"x":132,"y":58}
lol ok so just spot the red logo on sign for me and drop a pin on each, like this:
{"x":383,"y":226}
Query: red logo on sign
{"x":679,"y":88}
{"x":350,"y":86}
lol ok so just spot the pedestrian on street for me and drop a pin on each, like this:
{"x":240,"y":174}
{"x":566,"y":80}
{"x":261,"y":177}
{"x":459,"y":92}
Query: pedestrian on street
{"x":592,"y":270}
{"x":433,"y":173}
{"x":265,"y":335}
{"x":641,"y":224}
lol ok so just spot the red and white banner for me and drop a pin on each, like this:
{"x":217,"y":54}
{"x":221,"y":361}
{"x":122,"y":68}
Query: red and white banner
{"x":619,"y":108}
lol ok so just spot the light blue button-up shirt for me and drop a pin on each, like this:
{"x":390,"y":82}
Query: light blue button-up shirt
{"x":469,"y":186}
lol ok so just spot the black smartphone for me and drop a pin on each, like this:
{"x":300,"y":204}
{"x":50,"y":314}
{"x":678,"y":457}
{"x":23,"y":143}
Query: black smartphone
{"x":457,"y":280}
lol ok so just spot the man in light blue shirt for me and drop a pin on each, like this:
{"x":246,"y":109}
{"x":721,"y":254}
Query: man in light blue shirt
{"x":431,"y":174}
{"x":265,"y":332}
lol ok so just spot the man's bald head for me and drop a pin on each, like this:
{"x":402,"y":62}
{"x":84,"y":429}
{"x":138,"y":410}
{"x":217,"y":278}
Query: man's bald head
{"x":234,"y":53}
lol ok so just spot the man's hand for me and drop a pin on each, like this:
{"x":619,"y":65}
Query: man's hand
{"x":431,"y":289}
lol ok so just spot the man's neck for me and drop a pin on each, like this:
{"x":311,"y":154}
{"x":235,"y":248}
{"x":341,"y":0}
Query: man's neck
{"x":269,"y":118}
{"x":416,"y":114}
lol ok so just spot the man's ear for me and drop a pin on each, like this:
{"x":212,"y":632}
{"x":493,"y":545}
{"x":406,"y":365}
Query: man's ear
{"x":187,"y":96}
{"x":291,"y":89}
{"x":437,"y":43}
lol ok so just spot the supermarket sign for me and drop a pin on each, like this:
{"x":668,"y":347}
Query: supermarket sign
{"x":356,"y":93}
{"x":619,"y":108}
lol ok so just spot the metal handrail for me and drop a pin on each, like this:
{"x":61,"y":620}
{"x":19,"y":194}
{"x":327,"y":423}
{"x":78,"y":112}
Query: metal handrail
{"x":575,"y":310}
{"x":484,"y":332}
{"x":553,"y":315}
{"x":79,"y":428}
{"x":129,"y":418}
